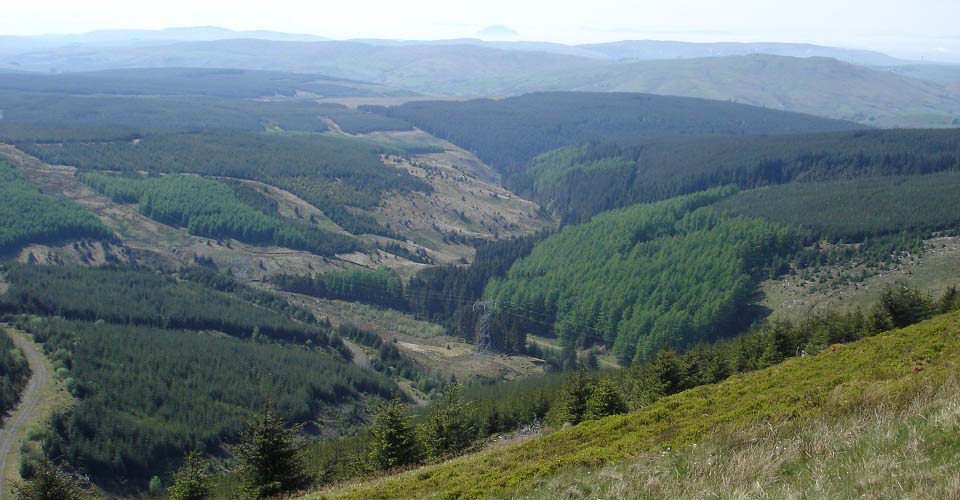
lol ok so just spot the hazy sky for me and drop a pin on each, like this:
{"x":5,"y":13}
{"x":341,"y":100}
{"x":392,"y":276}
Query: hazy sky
{"x":899,"y":26}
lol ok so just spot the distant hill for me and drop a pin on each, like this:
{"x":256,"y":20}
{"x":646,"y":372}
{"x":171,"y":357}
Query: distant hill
{"x":509,"y":132}
{"x":473,"y":68}
{"x":816,"y":85}
{"x":139,"y":37}
{"x":191,"y":81}
{"x":439,"y":69}
{"x":658,"y":49}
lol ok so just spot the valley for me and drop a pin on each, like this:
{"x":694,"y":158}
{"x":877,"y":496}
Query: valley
{"x":284,"y":266}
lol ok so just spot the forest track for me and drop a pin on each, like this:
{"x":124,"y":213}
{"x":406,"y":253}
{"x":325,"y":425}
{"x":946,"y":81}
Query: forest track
{"x":33,"y":408}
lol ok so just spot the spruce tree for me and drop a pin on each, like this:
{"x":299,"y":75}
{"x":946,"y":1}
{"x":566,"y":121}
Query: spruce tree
{"x":50,"y":482}
{"x":449,"y":428}
{"x":393,"y":440}
{"x":190,"y":482}
{"x":269,"y":461}
{"x":578,"y":391}
{"x":604,"y":401}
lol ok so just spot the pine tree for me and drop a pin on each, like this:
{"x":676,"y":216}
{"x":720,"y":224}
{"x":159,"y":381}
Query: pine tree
{"x":605,"y":401}
{"x":393,"y":440}
{"x":269,"y":461}
{"x":190,"y":482}
{"x":50,"y":482}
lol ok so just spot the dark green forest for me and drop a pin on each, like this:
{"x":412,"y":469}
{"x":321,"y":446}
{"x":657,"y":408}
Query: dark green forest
{"x":673,"y":272}
{"x":381,"y":287}
{"x":53,"y":118}
{"x":507,"y":133}
{"x":580,"y":181}
{"x":888,"y":214}
{"x":28,"y":216}
{"x":146,"y":396}
{"x":206,"y":207}
{"x":142,"y":297}
{"x":14,"y":373}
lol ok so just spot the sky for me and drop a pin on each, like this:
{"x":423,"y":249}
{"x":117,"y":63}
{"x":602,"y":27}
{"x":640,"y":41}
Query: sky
{"x":918,"y":28}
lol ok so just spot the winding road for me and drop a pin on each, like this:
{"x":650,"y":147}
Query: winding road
{"x":15,"y":426}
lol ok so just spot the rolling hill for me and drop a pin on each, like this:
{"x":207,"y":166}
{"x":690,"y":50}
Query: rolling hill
{"x":814,"y":85}
{"x":800,"y":78}
{"x":507,"y":133}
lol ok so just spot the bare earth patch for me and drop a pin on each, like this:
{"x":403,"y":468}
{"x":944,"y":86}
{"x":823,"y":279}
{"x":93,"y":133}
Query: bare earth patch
{"x":847,"y":287}
{"x":424,"y":342}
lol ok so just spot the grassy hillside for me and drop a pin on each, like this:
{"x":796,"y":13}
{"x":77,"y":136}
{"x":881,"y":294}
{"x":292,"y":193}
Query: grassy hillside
{"x":876,"y":452}
{"x":889,"y":370}
{"x":509,"y":132}
{"x":580,"y":181}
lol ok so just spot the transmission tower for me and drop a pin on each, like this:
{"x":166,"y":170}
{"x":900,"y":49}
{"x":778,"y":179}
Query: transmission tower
{"x":484,"y":309}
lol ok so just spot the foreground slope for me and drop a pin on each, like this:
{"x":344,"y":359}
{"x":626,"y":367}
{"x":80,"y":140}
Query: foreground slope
{"x":889,"y":369}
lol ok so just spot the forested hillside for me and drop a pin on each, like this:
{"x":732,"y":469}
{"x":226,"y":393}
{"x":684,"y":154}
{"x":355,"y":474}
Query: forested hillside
{"x":509,"y":132}
{"x":580,"y":181}
{"x":28,"y":216}
{"x":672,"y":272}
{"x":213,"y":209}
{"x":146,"y":396}
{"x":329,"y":173}
{"x":58,"y":117}
{"x":142,"y":297}
{"x":885,"y":214}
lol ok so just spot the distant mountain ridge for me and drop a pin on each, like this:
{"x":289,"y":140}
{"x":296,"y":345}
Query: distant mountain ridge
{"x":868,"y":87}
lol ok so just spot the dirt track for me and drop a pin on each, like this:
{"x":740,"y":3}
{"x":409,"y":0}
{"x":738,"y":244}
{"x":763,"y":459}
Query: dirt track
{"x":16,"y":425}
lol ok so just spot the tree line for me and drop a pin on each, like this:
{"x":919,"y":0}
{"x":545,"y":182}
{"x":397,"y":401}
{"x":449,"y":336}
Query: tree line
{"x":14,"y":373}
